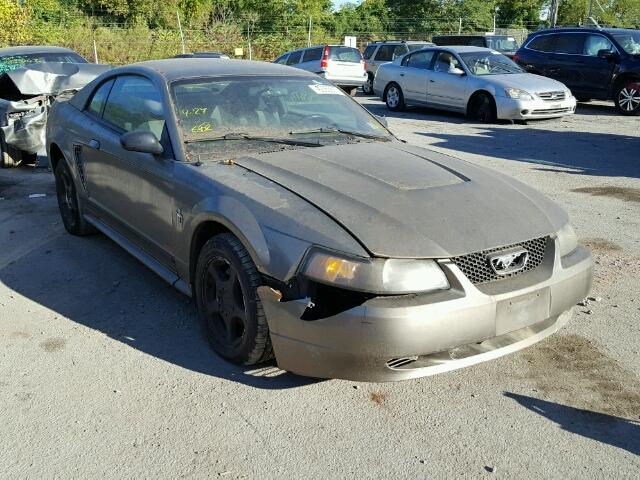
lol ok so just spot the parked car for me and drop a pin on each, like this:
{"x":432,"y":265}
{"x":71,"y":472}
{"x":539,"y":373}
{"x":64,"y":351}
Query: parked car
{"x":505,"y":44}
{"x":377,"y":53}
{"x":30,"y":79}
{"x":601,"y":64}
{"x":341,"y":65}
{"x":479,"y":82}
{"x":303,"y":228}
{"x":202,"y":55}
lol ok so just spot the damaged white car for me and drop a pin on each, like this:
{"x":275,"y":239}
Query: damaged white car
{"x":30,"y":80}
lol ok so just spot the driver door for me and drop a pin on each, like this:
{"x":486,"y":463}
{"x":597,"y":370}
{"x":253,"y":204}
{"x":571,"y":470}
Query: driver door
{"x":447,"y":86}
{"x":132,"y":192}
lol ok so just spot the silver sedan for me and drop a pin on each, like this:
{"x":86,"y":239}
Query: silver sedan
{"x":479,"y":82}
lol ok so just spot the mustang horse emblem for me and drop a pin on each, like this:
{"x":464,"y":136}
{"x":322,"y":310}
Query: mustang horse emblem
{"x":508,"y":261}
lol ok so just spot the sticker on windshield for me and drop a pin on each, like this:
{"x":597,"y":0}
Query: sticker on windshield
{"x":322,"y":89}
{"x":202,"y":128}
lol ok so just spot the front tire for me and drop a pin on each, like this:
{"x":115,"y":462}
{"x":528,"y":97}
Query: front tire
{"x":9,"y":157}
{"x":68,"y":202}
{"x":627,"y":97}
{"x":226,"y":286}
{"x":394,"y":98}
{"x":482,"y":108}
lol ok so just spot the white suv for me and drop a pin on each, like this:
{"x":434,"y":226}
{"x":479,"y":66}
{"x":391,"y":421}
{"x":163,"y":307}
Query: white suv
{"x":385,"y":51}
{"x":341,"y":65}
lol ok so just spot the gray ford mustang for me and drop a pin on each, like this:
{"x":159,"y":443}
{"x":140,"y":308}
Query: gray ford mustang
{"x":304,"y":229}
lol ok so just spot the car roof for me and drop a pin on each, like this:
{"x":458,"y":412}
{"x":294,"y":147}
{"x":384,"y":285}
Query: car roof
{"x":27,"y":49}
{"x":172,"y":69}
{"x":586,"y":29}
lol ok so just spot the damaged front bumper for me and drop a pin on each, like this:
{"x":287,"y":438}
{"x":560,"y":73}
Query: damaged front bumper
{"x":410,"y":336}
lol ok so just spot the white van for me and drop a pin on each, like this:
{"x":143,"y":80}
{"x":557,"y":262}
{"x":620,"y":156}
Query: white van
{"x":340,"y":65}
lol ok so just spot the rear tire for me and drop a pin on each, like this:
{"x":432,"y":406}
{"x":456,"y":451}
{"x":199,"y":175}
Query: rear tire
{"x":367,"y":88}
{"x":9,"y":157}
{"x":482,"y":108}
{"x":627,"y":97}
{"x":69,"y":204}
{"x":229,"y":307}
{"x":394,"y":98}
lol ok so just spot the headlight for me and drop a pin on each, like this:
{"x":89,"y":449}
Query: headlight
{"x":376,"y":275}
{"x":518,"y":94}
{"x":567,"y":240}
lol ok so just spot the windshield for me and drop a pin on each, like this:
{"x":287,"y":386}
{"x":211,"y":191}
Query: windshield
{"x":12,"y":62}
{"x":253,"y":109}
{"x":489,"y":63}
{"x":504,"y":44}
{"x":630,"y":41}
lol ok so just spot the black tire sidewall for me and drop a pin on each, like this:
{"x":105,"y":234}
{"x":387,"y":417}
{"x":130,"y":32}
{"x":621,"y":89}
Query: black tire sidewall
{"x":73,"y":224}
{"x":219,"y":247}
{"x":475,"y":105}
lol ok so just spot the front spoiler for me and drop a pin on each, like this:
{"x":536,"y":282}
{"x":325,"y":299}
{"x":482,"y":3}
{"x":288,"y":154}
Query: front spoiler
{"x":389,"y":339}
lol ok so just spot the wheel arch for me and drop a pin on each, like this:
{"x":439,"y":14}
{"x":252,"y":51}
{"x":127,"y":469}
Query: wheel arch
{"x":245,"y":228}
{"x":474,"y":95}
{"x":622,"y":78}
{"x":55,"y":155}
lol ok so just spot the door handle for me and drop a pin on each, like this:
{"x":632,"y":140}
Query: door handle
{"x":95,"y":144}
{"x":402,"y":74}
{"x":432,"y":81}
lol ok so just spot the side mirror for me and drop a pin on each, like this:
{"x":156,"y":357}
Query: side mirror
{"x":141,"y":141}
{"x":607,"y":54}
{"x":382,"y":120}
{"x":457,"y":71}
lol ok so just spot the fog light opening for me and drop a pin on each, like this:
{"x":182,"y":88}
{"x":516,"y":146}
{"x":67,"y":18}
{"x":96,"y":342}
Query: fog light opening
{"x":525,"y":112}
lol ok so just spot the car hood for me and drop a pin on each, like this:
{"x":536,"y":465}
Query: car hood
{"x":527,"y":81}
{"x":407,"y":202}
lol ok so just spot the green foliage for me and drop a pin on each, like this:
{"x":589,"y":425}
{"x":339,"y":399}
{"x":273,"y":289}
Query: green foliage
{"x":133,"y":30}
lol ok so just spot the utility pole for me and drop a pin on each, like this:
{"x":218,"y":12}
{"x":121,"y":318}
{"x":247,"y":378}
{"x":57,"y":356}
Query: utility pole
{"x":95,"y":51}
{"x":180,"y":28}
{"x":590,"y":9}
{"x":309,"y":38}
{"x":553,"y":12}
{"x":460,"y":26}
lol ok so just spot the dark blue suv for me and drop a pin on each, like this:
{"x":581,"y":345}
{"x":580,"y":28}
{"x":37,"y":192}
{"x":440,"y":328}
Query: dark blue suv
{"x":602,"y":64}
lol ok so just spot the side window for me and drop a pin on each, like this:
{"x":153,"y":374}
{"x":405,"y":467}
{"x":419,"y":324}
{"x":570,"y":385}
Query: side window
{"x":543,"y":43}
{"x":446,"y":62}
{"x":135,"y":104}
{"x":594,"y":43}
{"x":294,"y":57}
{"x":385,"y":53}
{"x":282,"y":59}
{"x":421,"y":60}
{"x":369,"y":51}
{"x":570,"y":43}
{"x":312,"y":54}
{"x":476,"y":42}
{"x":99,"y":98}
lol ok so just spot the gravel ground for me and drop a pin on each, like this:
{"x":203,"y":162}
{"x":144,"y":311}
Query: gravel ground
{"x":104,"y":371}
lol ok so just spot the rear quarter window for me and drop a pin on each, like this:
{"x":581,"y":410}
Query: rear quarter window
{"x":543,"y":43}
{"x":369,"y":51}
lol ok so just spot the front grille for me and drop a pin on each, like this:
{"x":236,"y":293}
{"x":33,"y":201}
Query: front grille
{"x":476,"y":267}
{"x":552,"y":96}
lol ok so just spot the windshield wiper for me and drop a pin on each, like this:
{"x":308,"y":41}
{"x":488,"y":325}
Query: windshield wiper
{"x":246,"y":136}
{"x":339,"y":130}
